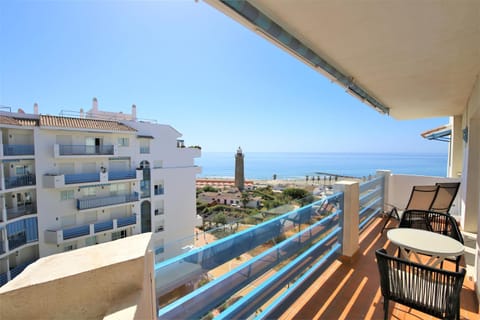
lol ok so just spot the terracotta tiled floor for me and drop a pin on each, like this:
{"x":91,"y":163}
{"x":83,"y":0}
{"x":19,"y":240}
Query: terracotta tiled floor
{"x":350,"y":289}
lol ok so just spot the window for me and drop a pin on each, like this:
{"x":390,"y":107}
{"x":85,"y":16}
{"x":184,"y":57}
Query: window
{"x":20,"y":170}
{"x":144,"y":146}
{"x":123,"y":142}
{"x":90,"y":191}
{"x":119,"y":234}
{"x":158,"y":189}
{"x":119,"y":188}
{"x":66,"y":195}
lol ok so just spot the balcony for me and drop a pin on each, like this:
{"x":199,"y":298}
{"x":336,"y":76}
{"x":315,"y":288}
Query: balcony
{"x":76,"y":232}
{"x":13,"y":213}
{"x":3,"y":278}
{"x":87,"y":230}
{"x":17,"y":240}
{"x":65,"y":150}
{"x":293,"y":266}
{"x":125,"y":174}
{"x":61,"y":180}
{"x":18,"y":150}
{"x":126,"y":221}
{"x":96,"y":202}
{"x":14,"y":272}
{"x":20,"y":181}
{"x":82,"y":178}
{"x":102,"y":226}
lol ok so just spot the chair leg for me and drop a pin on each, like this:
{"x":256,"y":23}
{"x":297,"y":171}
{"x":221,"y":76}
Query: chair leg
{"x":385,"y":224}
{"x":385,"y":308}
{"x":391,"y":214}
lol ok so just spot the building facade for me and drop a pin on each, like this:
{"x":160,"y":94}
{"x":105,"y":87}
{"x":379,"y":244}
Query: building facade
{"x":71,"y":182}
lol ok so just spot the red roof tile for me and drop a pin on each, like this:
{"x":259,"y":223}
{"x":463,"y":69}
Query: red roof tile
{"x":80,"y":123}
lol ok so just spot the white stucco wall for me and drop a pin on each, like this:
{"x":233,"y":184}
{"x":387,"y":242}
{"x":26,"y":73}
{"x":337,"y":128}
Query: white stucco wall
{"x":177,"y":174}
{"x":471,"y":173}
{"x":400,"y":187}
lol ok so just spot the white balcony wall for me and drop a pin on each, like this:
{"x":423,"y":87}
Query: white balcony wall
{"x":17,"y":136}
{"x":400,"y":187}
{"x":471,"y":173}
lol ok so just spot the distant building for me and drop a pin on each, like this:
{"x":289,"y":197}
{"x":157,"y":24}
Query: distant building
{"x":229,"y":199}
{"x":72,"y":182}
{"x":239,"y":170}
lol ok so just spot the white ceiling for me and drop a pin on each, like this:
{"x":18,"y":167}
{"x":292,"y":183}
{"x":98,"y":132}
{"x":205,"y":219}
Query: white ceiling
{"x":420,"y":58}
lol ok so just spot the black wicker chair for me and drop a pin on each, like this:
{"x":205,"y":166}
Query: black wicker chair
{"x":437,"y":222}
{"x":429,"y":290}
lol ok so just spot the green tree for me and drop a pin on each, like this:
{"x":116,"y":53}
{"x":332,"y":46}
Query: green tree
{"x":220,"y":219}
{"x":295,"y":193}
{"x":245,"y":199}
{"x":209,"y":188}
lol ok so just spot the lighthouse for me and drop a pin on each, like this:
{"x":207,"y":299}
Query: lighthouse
{"x":239,"y":170}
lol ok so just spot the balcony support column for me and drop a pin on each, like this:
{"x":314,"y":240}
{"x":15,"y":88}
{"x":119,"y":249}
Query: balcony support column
{"x":2,"y":175}
{"x":386,"y":183}
{"x":350,"y":217}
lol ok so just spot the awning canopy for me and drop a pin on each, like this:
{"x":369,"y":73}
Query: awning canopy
{"x":409,"y":59}
{"x":441,"y":133}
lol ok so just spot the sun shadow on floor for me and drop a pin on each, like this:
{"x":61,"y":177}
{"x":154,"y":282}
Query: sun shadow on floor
{"x":350,"y":288}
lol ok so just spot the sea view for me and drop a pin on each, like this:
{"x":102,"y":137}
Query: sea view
{"x":286,"y":165}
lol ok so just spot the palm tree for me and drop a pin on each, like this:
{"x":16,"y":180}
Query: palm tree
{"x":245,"y":199}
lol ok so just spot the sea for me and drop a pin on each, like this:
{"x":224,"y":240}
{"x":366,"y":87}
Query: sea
{"x":296,"y":165}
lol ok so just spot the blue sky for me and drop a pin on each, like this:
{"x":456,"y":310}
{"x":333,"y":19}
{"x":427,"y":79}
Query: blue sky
{"x":186,"y":64}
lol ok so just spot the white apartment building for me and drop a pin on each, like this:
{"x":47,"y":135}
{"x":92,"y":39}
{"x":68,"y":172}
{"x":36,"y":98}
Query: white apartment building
{"x":71,"y":182}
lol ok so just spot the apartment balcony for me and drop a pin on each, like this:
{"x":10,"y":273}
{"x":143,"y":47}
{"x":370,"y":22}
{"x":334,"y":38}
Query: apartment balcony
{"x":62,"y":180}
{"x":96,"y":202}
{"x":126,"y":221}
{"x":81,"y":178}
{"x":191,"y":152}
{"x":18,"y":150}
{"x":12,"y":273}
{"x":17,"y":240}
{"x":136,"y":174}
{"x":13,"y":213}
{"x":20,"y":181}
{"x":64,"y":150}
{"x":294,"y":266}
{"x":3,"y":278}
{"x":88,"y":230}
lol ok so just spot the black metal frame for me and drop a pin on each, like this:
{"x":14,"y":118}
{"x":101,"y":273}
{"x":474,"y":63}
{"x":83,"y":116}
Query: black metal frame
{"x":437,"y":222}
{"x":415,"y":190}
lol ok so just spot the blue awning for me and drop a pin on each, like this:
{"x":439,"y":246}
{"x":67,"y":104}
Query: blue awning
{"x":442,"y":133}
